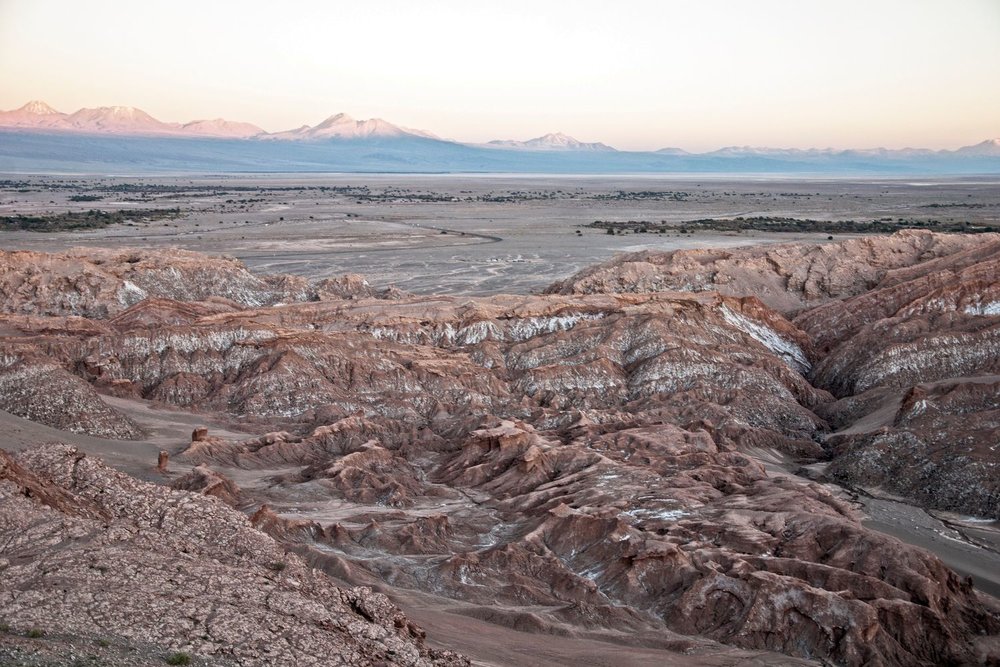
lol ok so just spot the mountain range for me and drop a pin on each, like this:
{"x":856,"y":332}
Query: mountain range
{"x":36,"y":115}
{"x":37,"y":137}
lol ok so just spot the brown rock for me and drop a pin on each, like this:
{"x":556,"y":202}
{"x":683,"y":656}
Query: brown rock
{"x":206,"y":481}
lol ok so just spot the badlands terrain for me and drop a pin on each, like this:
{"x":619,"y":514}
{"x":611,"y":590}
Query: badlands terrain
{"x":518,"y":440}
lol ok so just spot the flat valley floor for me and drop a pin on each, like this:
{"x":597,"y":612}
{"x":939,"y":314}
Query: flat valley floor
{"x":473,"y":235}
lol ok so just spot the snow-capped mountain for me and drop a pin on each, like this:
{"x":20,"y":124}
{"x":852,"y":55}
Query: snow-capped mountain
{"x":37,"y":108}
{"x":889,"y":153}
{"x":342,"y":126}
{"x":33,"y":114}
{"x":555,"y":141}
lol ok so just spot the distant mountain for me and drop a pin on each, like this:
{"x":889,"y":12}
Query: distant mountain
{"x":38,"y":138}
{"x":672,"y":151}
{"x":342,"y":126}
{"x":891,"y":153}
{"x":36,"y":108}
{"x":117,"y":120}
{"x":825,"y":153}
{"x":988,"y":148}
{"x":556,"y":141}
{"x":34,"y":114}
{"x":47,"y":151}
{"x":219,"y":127}
{"x":754,"y":151}
{"x":131,"y":121}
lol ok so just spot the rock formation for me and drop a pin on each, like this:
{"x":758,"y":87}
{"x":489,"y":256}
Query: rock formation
{"x":598,"y":459}
{"x":787,"y":277}
{"x":103,"y":283}
{"x":38,"y":388}
{"x":884,"y":317}
{"x":177,"y":570}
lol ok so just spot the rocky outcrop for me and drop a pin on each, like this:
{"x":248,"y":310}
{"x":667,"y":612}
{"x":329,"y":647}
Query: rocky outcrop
{"x":883,"y":317}
{"x":37,"y":388}
{"x":787,"y":277}
{"x":99,"y":283}
{"x":206,"y":481}
{"x":178,"y":570}
{"x":940,"y":322}
{"x":937,"y":448}
{"x":421,"y":359}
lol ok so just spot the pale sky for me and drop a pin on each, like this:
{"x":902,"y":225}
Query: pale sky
{"x":638,"y":75}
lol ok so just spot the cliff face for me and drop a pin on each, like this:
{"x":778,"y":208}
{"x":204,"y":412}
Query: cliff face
{"x":596,"y":458}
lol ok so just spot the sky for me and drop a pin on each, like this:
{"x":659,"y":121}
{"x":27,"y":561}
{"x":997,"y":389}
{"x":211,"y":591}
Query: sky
{"x":637,"y":75}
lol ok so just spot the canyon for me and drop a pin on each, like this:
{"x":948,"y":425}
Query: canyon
{"x":673,"y":456}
